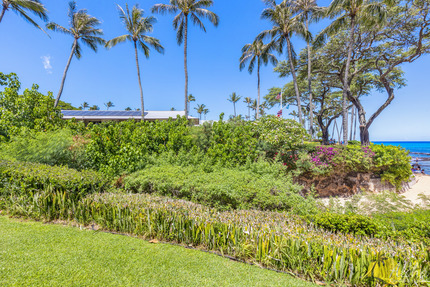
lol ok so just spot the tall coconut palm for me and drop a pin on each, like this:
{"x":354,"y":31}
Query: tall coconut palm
{"x":188,"y":9}
{"x":308,"y":11}
{"x":234,"y":98}
{"x":350,"y":15}
{"x":254,"y":108}
{"x":205,"y":112}
{"x":137,"y":27}
{"x":191,"y":98}
{"x":248,"y":102}
{"x":22,"y":7}
{"x":200,"y":110}
{"x":285,"y":25}
{"x":259,"y":53}
{"x":83,"y":29}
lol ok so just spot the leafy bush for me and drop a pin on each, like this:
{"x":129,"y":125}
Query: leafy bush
{"x":222,"y":188}
{"x":31,"y":109}
{"x":392,"y":164}
{"x":282,"y":134}
{"x":52,"y":147}
{"x":347,"y":223}
{"x":33,"y":177}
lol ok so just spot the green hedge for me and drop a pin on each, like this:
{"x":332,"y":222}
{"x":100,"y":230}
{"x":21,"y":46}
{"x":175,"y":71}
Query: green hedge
{"x":223,"y":188}
{"x":32,"y":177}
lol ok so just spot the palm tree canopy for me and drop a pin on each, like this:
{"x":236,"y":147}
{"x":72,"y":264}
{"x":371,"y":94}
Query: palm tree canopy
{"x":137,"y":27}
{"x":22,"y":7}
{"x":308,"y":9}
{"x":257,"y":52}
{"x":193,"y":8}
{"x":191,"y":98}
{"x":200,"y":108}
{"x":247,"y":101}
{"x":234,"y":98}
{"x":285,"y":24}
{"x":82,"y":27}
{"x":365,"y":12}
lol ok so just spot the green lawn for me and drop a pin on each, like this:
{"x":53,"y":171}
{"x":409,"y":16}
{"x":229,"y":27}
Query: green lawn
{"x":36,"y":254}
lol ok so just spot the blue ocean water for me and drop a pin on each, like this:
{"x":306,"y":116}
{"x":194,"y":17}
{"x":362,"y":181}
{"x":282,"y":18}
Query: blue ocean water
{"x":419,"y":151}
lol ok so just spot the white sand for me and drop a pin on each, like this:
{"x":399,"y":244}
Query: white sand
{"x":417,"y":195}
{"x":421,"y":187}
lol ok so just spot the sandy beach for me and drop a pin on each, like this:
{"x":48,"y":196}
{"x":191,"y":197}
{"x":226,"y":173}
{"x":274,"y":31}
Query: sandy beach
{"x":422,"y":186}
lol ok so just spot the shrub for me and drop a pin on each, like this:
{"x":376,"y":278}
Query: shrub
{"x":392,"y":164}
{"x":347,"y":223}
{"x":33,"y":177}
{"x":58,"y":147}
{"x":222,"y":188}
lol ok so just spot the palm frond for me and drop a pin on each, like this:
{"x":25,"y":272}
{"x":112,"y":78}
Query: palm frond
{"x":197,"y":22}
{"x":24,"y":15}
{"x":211,"y":16}
{"x":33,"y":6}
{"x":164,"y":9}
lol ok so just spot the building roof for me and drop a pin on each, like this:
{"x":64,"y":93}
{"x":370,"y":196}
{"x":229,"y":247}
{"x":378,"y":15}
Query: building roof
{"x":120,"y":115}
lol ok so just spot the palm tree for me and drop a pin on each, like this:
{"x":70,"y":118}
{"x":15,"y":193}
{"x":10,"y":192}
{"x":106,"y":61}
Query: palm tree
{"x":85,"y":105}
{"x":308,"y":11}
{"x":109,"y":105}
{"x":350,"y":15}
{"x":200,"y":110}
{"x":205,"y":112}
{"x":248,"y":102}
{"x":94,"y":108}
{"x":22,"y":7}
{"x":191,"y":98}
{"x":192,"y":9}
{"x":128,"y":109}
{"x":258,"y":53}
{"x":137,"y":27}
{"x":234,"y":98}
{"x":254,"y":108}
{"x":285,"y":24}
{"x":82,"y":29}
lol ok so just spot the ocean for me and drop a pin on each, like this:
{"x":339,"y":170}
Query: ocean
{"x":419,"y":151}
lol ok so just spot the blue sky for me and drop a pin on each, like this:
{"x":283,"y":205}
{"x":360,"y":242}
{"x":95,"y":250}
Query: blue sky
{"x":213,"y":66}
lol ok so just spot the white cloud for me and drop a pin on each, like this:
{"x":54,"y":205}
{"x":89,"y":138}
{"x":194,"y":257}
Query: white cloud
{"x":46,"y":60}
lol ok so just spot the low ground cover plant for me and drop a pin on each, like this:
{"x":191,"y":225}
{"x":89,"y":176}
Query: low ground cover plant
{"x":221,"y":188}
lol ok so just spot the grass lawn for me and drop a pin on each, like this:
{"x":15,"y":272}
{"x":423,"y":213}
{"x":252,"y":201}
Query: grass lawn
{"x":36,"y":254}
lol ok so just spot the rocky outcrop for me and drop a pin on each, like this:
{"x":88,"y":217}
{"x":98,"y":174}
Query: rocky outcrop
{"x":346,"y":184}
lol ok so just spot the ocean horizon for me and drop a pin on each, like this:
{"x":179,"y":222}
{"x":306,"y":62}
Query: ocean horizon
{"x":419,"y":151}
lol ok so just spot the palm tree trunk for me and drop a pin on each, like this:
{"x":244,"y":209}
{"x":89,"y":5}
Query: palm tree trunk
{"x":296,"y":87}
{"x":142,"y":103}
{"x":185,"y":65}
{"x":257,"y":111}
{"x":346,"y":84}
{"x":75,"y":43}
{"x":311,"y":105}
{"x":249,"y":113}
{"x":2,"y":12}
{"x":234,"y":107}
